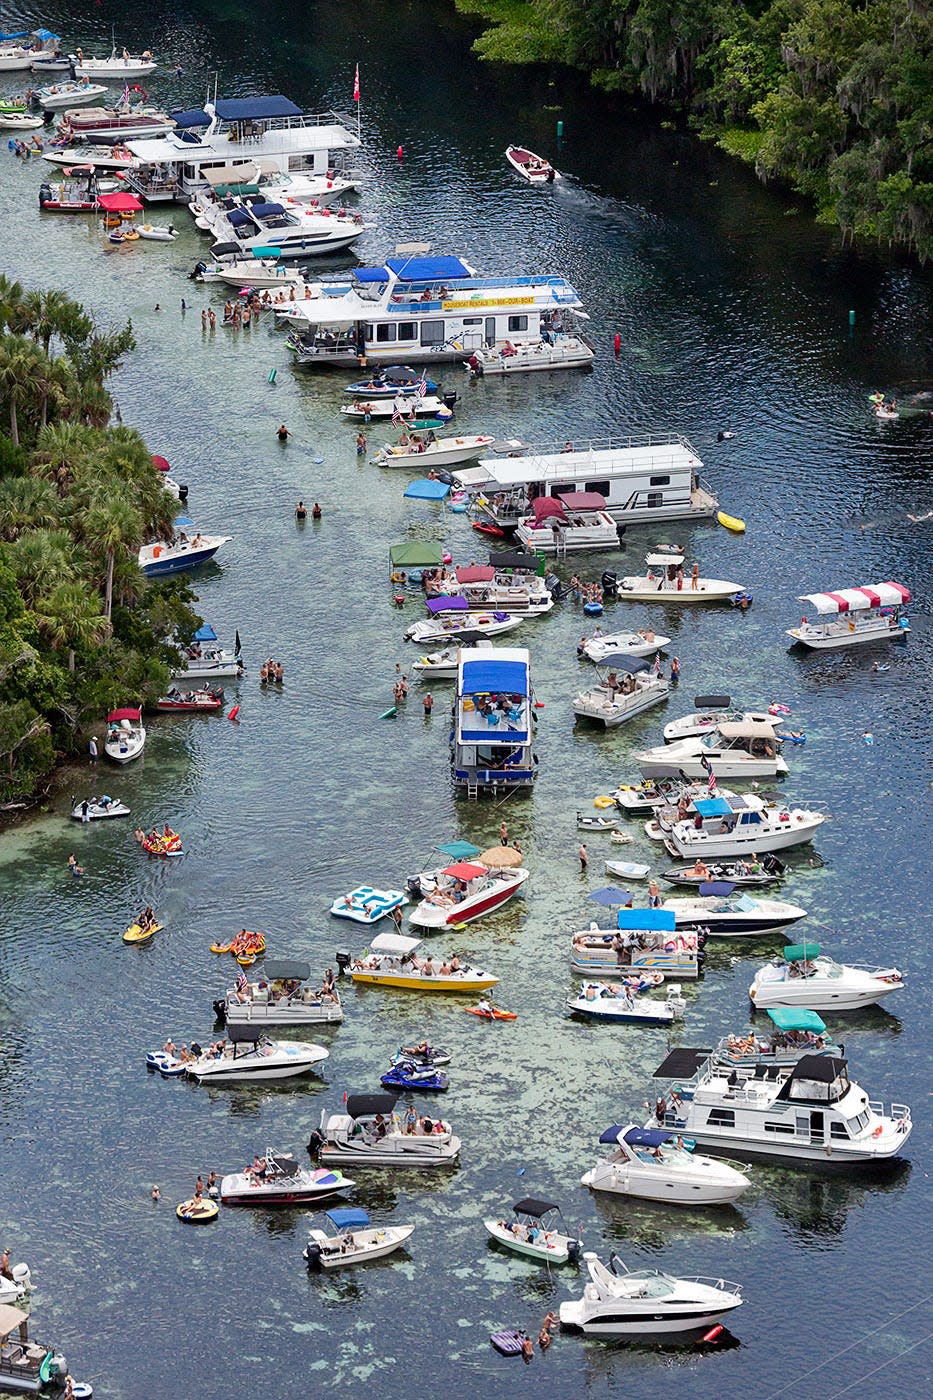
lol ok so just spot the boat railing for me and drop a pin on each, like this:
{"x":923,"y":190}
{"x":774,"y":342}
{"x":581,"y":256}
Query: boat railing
{"x":726,"y":1285}
{"x":900,"y":1112}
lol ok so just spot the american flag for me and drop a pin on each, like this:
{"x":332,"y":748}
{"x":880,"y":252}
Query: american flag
{"x":422,"y":387}
{"x":125,"y":99}
{"x":711,"y":783}
{"x":356,"y":85}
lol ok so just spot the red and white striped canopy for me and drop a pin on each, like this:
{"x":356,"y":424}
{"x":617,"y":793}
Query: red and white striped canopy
{"x":873,"y":595}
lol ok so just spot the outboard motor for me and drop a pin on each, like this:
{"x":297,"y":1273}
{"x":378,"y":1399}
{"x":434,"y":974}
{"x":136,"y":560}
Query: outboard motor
{"x":22,"y":1277}
{"x":315,"y":1142}
{"x":610,"y":583}
{"x":573,"y":1251}
{"x":621,"y":528}
{"x":554,"y":586}
{"x":220,"y":1010}
{"x":413,"y":885}
{"x":199,"y":267}
{"x":342,"y":959}
{"x":196,"y":1049}
{"x":45,"y":195}
{"x":450,"y":399}
{"x":182,"y":492}
{"x":313,"y":1255}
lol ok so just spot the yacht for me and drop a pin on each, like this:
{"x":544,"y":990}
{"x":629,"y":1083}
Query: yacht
{"x":808,"y":1112}
{"x":292,"y":232}
{"x":611,"y":702}
{"x":368,"y":1132}
{"x":744,"y":749}
{"x":280,"y":1180}
{"x":250,"y":1056}
{"x":264,"y":177}
{"x":731,"y":825}
{"x":805,"y":976}
{"x":281,"y":997}
{"x":657,"y":1165}
{"x":618,"y":1302}
{"x":494,"y":723}
{"x":724,"y":913}
{"x":854,"y":615}
{"x":574,"y":521}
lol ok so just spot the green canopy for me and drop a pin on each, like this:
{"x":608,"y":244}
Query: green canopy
{"x":797,"y":1018}
{"x":798,"y":952}
{"x":416,"y":554}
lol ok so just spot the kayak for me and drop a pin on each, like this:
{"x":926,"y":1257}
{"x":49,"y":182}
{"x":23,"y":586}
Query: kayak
{"x":731,"y":522}
{"x":198,"y":1214}
{"x":135,"y":933}
{"x":493,"y":1014}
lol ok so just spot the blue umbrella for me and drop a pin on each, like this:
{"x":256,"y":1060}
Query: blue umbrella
{"x":610,"y":896}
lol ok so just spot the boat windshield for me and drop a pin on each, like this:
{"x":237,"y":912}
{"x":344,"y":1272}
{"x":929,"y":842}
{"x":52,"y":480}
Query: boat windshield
{"x":650,"y":1283}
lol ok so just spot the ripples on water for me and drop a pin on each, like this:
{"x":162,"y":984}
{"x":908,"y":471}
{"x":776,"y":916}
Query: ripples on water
{"x":732,"y":315}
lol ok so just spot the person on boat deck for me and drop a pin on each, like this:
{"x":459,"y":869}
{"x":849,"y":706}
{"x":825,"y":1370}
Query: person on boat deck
{"x":411,"y":1120}
{"x":701,"y":869}
{"x":380,"y":1127}
{"x":427,"y":967}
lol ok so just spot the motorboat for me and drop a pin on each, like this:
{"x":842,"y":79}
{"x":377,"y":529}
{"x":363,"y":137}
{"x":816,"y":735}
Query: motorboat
{"x":706,"y":719}
{"x":652,"y":795}
{"x":75,"y":193}
{"x":262,"y":270}
{"x":607,"y":1001}
{"x":627,"y":869}
{"x":366,"y":905}
{"x":724,"y":913}
{"x":576,"y":520}
{"x":14,"y":58}
{"x":408,"y":1077}
{"x":370,"y":1133}
{"x":190,"y":702}
{"x":294,"y":231}
{"x":736,"y":826}
{"x":564,"y":351}
{"x":251,"y":1057}
{"x":806,"y":977}
{"x":279,"y":1179}
{"x":126,"y":735}
{"x":57,"y":96}
{"x":485,"y":586}
{"x":280,"y":997}
{"x":16,"y":1285}
{"x":121,"y":122}
{"x":534,"y":1231}
{"x":157,"y":233}
{"x":765,"y":871}
{"x":179,"y":554}
{"x":466,"y":890}
{"x":744,"y":749}
{"x":872,"y":613}
{"x":671,"y":585}
{"x":535,"y":169}
{"x":442,"y":626}
{"x":493,"y":732}
{"x":646,"y":943}
{"x":20,"y":121}
{"x":588,"y":822}
{"x":352,"y":1239}
{"x":85,"y":153}
{"x":414,"y":451}
{"x":807,"y":1112}
{"x":96,"y":809}
{"x":206,"y":661}
{"x":115,"y":69}
{"x":391,"y":961}
{"x":645,"y":642}
{"x":388,"y":382}
{"x":657,"y":1165}
{"x":27,"y":1367}
{"x":612,"y":702}
{"x":403,"y":405}
{"x":444,"y":665}
{"x":618,"y":1302}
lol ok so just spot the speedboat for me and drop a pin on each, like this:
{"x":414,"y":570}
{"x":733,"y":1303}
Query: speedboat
{"x":607,"y":1001}
{"x":280,"y":997}
{"x":369,"y":1133}
{"x":190,"y":702}
{"x":391,"y":961}
{"x":17,"y":1285}
{"x":534,"y":1231}
{"x":205,"y":661}
{"x":574,"y":521}
{"x":735,"y":826}
{"x":126,"y":735}
{"x":722,"y":913}
{"x":262,"y":270}
{"x":404,"y":404}
{"x":15,"y":59}
{"x":366,"y":905}
{"x":671,"y":585}
{"x":643,"y":643}
{"x":353,"y":1240}
{"x":58,"y":96}
{"x":96,"y":809}
{"x":387,"y":383}
{"x":415,"y":451}
{"x":805,"y":977}
{"x":612,"y":702}
{"x":808,"y":1111}
{"x":645,"y":945}
{"x":535,"y":169}
{"x":442,"y":626}
{"x":459,"y":893}
{"x":28,"y":1368}
{"x":294,"y":231}
{"x":618,"y":1302}
{"x":84,"y":153}
{"x":406,"y":1076}
{"x":705,"y":721}
{"x":19,"y":121}
{"x":251,"y":1056}
{"x":443,"y":665}
{"x":658,"y":1165}
{"x":765,"y":871}
{"x":115,"y":69}
{"x":278,"y":1179}
{"x":179,"y":554}
{"x":628,"y":869}
{"x":852,"y":615}
{"x":651,"y":795}
{"x":748,"y":749}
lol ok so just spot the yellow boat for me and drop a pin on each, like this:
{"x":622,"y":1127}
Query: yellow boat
{"x":389,"y":962}
{"x":731,"y":522}
{"x":137,"y":934}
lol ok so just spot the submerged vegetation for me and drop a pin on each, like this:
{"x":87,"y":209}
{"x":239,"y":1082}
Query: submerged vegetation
{"x":834,"y":98}
{"x":81,"y":629}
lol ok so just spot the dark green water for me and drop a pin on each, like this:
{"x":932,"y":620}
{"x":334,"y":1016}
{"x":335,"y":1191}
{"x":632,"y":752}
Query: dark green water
{"x":733,"y":313}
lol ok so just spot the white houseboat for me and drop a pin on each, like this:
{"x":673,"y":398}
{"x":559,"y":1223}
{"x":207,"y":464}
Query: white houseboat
{"x":871,"y":613}
{"x":493,"y":731}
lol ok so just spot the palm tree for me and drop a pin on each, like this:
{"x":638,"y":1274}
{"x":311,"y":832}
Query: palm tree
{"x":41,"y":560}
{"x":11,"y":300}
{"x":61,"y":449}
{"x":112,"y":524}
{"x":17,"y":372}
{"x":25,"y":504}
{"x":47,"y":313}
{"x":70,"y":616}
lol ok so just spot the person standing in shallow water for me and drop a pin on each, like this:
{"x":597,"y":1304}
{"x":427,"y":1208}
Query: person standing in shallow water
{"x":282,"y":433}
{"x":301,"y":511}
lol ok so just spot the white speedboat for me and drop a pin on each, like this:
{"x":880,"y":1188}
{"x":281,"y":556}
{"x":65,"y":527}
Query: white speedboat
{"x":392,"y":961}
{"x":657,"y":1165}
{"x":423,"y":452}
{"x":206,"y":661}
{"x":369,"y":1133}
{"x":723,"y":912}
{"x":613,"y":702}
{"x":262,"y":272}
{"x":366,"y":905}
{"x":118,"y":68}
{"x":743,"y":873}
{"x":535,"y":169}
{"x":746,"y":749}
{"x":628,"y":869}
{"x":705,"y":720}
{"x":17,"y":1285}
{"x":178,"y":555}
{"x":607,"y":1001}
{"x":250,"y":1057}
{"x":735,"y":826}
{"x":15,"y":59}
{"x":19,"y":121}
{"x":805,"y":977}
{"x":642,"y":643}
{"x":352,"y":1239}
{"x":575,"y":521}
{"x":671,"y":585}
{"x":443,"y":627}
{"x":278,"y":1179}
{"x":563,"y":351}
{"x":534,"y":1231}
{"x":854,"y":615}
{"x":406,"y":405}
{"x":280,"y":997}
{"x":84,"y":153}
{"x":126,"y":735}
{"x":97,"y":809}
{"x":806,"y":1111}
{"x":57,"y":96}
{"x":621,"y":1303}
{"x":294,"y":231}
{"x":443,"y":665}
{"x":466,"y":890}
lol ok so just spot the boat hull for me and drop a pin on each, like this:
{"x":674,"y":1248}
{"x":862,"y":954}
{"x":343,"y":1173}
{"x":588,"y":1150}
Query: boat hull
{"x":557,"y":1253}
{"x":719,"y":1190}
{"x":780,"y":838}
{"x":622,"y":1319}
{"x":819,"y":640}
{"x":179,"y":563}
{"x":469,"y":910}
{"x":369,"y":1244}
{"x":819,"y":997}
{"x":445,"y":1155}
{"x":255,"y":1073}
{"x":291,"y":1014}
{"x":462,"y":986}
{"x":711,"y":590}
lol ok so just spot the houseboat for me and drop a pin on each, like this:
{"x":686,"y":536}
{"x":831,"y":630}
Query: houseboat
{"x":493,"y":723}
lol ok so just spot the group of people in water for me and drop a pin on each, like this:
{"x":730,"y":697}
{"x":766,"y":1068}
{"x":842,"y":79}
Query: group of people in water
{"x":156,"y":840}
{"x":271,"y":672}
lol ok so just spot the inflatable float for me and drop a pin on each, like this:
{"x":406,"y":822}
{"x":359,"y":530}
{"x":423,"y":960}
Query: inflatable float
{"x":731,"y":522}
{"x":197,"y":1212}
{"x":508,"y":1343}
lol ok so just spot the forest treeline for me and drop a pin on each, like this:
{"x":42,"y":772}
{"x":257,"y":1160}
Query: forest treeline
{"x":833,"y":98}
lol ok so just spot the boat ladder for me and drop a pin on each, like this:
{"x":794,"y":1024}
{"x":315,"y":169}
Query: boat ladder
{"x":472,"y":786}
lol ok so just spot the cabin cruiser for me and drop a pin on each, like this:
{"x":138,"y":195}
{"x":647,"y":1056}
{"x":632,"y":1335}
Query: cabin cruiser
{"x":27,"y":1368}
{"x":279,"y":1179}
{"x":723,"y":913}
{"x":57,"y":96}
{"x":484,"y":586}
{"x":642,"y":477}
{"x":745,"y":749}
{"x":657,"y":1165}
{"x":121,"y":122}
{"x":280,"y":997}
{"x":444,"y":665}
{"x":494,"y":723}
{"x":179,"y":554}
{"x":534,"y":1231}
{"x":572,"y":351}
{"x":612,"y":702}
{"x":392,"y":961}
{"x":370,"y":1133}
{"x":126,"y":735}
{"x":445,"y":626}
{"x":413,"y":450}
{"x":576,"y":520}
{"x":806,"y":977}
{"x":466,"y":890}
{"x":618,"y":1302}
{"x":735,"y":826}
{"x":646,"y":942}
{"x":264,"y":179}
{"x":671,"y":585}
{"x":206,"y":661}
{"x":352,"y":1239}
{"x":706,"y":719}
{"x":95,"y":809}
{"x":644,"y":642}
{"x":250,"y":1056}
{"x":115,"y":69}
{"x":806,"y":1112}
{"x":294,"y":232}
{"x":614,"y":1001}
{"x":737,"y":872}
{"x":854,"y":615}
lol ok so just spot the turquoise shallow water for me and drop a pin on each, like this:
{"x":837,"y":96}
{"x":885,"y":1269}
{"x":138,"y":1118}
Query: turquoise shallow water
{"x":732,"y":314}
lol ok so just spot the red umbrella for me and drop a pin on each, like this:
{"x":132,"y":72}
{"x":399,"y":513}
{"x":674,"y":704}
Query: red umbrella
{"x":120,"y":203}
{"x":160,"y":464}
